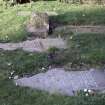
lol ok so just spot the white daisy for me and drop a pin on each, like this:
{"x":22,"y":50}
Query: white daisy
{"x":10,"y":77}
{"x":16,"y":77}
{"x":12,"y":72}
{"x":43,"y":68}
{"x":89,"y":91}
{"x":86,"y":94}
{"x":85,"y":90}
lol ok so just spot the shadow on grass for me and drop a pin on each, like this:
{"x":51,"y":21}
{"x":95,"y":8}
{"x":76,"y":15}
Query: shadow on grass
{"x":80,"y":17}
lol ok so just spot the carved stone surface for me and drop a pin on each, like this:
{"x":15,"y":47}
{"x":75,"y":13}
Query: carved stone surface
{"x":38,"y":25}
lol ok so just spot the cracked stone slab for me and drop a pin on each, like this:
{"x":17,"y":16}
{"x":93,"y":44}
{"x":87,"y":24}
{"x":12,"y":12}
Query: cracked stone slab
{"x":64,"y":82}
{"x":38,"y":45}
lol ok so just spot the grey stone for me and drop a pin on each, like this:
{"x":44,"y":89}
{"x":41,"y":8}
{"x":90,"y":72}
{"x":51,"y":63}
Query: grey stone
{"x":38,"y":25}
{"x":37,"y":45}
{"x":58,"y":80}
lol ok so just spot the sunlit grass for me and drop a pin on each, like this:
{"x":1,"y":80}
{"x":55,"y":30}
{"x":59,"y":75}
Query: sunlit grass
{"x":90,"y":47}
{"x":12,"y":26}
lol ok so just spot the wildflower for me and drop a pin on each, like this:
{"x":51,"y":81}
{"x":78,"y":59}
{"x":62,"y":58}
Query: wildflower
{"x":16,"y":77}
{"x":85,"y":90}
{"x":12,"y":72}
{"x":86,"y":94}
{"x":43,"y":68}
{"x":9,"y":64}
{"x":16,"y":84}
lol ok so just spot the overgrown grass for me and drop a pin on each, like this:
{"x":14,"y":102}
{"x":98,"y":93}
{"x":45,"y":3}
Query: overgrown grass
{"x":90,"y":47}
{"x":84,"y":48}
{"x":12,"y":26}
{"x":22,"y":62}
{"x":12,"y":95}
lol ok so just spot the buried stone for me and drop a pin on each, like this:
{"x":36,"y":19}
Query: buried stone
{"x":38,"y":25}
{"x":57,"y":80}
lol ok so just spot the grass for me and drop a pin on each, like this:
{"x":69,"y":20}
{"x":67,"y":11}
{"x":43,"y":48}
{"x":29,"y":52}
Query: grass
{"x":12,"y":95}
{"x":91,"y":47}
{"x":22,"y":62}
{"x":12,"y":27}
{"x":87,"y":48}
{"x":83,"y":48}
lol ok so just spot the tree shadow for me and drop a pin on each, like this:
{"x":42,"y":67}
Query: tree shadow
{"x":93,"y":17}
{"x":78,"y":17}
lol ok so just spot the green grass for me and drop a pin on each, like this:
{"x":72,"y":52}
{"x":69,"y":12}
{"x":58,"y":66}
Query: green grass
{"x":86,"y":48}
{"x":12,"y":95}
{"x":12,"y":27}
{"x":22,"y":62}
{"x":90,"y":47}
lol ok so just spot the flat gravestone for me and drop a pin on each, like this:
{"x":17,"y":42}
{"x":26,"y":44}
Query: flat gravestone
{"x":64,"y":82}
{"x":37,"y":45}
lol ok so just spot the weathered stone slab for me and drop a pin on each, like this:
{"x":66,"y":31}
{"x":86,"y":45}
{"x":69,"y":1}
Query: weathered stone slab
{"x":38,"y":25}
{"x":64,"y":82}
{"x":37,"y":45}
